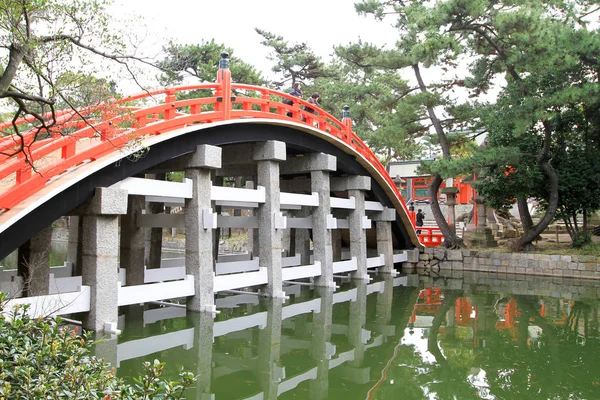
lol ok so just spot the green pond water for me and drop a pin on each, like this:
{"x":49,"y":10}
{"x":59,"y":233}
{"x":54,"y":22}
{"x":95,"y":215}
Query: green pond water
{"x":471,"y":336}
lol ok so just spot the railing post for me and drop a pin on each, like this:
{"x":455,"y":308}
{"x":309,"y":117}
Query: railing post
{"x":170,"y":104}
{"x":411,"y":212}
{"x":224,"y":78}
{"x":347,"y":124}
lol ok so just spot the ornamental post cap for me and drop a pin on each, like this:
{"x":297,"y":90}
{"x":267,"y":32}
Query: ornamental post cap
{"x":224,"y":61}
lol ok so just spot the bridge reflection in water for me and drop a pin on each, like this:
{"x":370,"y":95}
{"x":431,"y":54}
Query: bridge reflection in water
{"x":474,"y":336}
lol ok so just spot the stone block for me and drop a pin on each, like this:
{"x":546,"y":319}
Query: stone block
{"x":446,"y":265}
{"x":107,"y":201}
{"x":412,"y":255}
{"x":205,"y":156}
{"x":565,"y":258}
{"x":588,"y":274}
{"x":388,"y":214}
{"x":356,"y":182}
{"x":454,"y":255}
{"x":272,"y":150}
{"x":572,"y":266}
{"x":309,"y":162}
{"x":457,"y":265}
{"x":439,"y":254}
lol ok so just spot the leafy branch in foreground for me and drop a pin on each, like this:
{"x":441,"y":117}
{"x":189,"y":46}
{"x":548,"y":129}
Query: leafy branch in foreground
{"x":40,"y":359}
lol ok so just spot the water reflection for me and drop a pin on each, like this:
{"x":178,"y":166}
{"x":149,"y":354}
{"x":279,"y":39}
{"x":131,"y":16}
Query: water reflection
{"x":441,"y":337}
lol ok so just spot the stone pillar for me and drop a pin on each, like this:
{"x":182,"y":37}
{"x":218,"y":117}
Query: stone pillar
{"x":74,"y":244}
{"x":270,"y":222}
{"x":100,"y":249}
{"x":34,"y":264}
{"x":336,"y":245}
{"x":481,"y":214}
{"x":252,"y":234}
{"x":154,"y":236}
{"x":133,"y":243}
{"x":319,"y":165}
{"x":385,"y":244}
{"x":356,"y":323}
{"x":356,"y":187}
{"x":321,"y":335}
{"x":105,"y":347}
{"x":199,"y":225}
{"x":302,"y":239}
{"x":450,"y":193}
{"x":481,"y":235}
{"x":383,"y":308}
{"x":203,"y":346}
{"x":358,"y":235}
{"x":357,"y":336}
{"x":154,"y":245}
{"x":269,"y":369}
{"x":322,"y":242}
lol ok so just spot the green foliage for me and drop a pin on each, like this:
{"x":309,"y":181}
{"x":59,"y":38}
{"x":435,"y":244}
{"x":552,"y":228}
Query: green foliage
{"x":201,"y":61}
{"x":293,"y":63}
{"x":176,"y":176}
{"x":40,"y":359}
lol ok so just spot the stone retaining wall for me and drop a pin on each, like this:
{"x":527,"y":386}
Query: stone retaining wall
{"x":528,"y":285}
{"x":435,"y":259}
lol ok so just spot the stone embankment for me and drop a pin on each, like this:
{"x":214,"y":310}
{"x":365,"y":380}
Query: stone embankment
{"x":526,"y":285}
{"x":587,"y":267}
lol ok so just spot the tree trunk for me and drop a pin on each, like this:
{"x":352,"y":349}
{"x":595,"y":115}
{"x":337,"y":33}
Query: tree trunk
{"x":451,"y":240}
{"x":524,"y":214}
{"x":544,"y":164}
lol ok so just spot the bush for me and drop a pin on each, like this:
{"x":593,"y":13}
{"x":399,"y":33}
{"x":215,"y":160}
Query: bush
{"x":40,"y":359}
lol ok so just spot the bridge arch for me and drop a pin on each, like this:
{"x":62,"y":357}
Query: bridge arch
{"x":349,"y":192}
{"x":77,"y":187}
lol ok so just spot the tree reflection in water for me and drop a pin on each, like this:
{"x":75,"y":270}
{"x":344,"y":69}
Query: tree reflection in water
{"x":516,"y":346}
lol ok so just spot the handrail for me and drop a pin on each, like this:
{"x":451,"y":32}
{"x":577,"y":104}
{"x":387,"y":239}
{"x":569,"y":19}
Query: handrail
{"x":119,"y":121}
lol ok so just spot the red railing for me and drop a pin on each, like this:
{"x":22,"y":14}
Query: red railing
{"x":28,"y":161}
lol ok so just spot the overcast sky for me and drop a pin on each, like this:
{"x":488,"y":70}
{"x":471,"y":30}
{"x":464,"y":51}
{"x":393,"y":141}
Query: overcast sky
{"x":320,"y":23}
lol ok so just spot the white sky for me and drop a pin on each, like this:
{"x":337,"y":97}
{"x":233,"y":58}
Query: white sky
{"x":320,"y":23}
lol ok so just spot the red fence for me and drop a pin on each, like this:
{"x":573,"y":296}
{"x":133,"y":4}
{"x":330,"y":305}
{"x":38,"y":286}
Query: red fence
{"x":121,"y":124}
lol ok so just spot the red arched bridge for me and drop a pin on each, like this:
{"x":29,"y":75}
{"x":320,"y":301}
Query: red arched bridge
{"x":45,"y":175}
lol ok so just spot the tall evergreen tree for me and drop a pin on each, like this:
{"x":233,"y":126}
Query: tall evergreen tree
{"x":534,"y":46}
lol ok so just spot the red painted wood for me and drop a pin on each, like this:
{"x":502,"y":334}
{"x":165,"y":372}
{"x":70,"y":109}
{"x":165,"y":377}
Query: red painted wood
{"x":117,"y":122}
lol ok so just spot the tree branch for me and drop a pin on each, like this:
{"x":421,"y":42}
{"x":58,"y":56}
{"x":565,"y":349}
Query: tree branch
{"x":16,"y":55}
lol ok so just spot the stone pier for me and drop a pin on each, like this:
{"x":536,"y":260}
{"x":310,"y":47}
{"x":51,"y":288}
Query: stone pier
{"x":199,"y":225}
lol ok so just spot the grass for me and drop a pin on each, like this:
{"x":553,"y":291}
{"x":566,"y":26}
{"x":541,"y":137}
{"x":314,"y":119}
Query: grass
{"x":549,"y":245}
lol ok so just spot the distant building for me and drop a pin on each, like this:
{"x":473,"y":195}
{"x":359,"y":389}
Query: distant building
{"x":414,"y":186}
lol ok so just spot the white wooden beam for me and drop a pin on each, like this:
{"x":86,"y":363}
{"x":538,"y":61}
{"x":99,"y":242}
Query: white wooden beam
{"x":337,"y":202}
{"x":153,"y":187}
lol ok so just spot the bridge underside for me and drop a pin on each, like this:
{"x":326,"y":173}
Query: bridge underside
{"x":298,"y":142}
{"x":311,"y":208}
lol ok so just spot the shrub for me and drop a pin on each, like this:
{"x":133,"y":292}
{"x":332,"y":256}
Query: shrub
{"x":40,"y":359}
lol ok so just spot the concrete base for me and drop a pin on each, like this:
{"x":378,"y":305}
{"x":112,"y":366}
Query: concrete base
{"x":480,"y":237}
